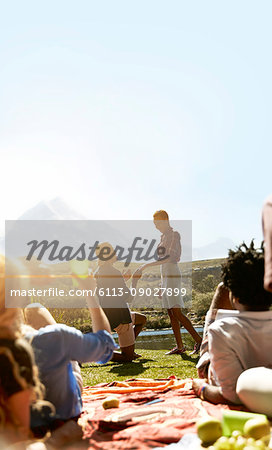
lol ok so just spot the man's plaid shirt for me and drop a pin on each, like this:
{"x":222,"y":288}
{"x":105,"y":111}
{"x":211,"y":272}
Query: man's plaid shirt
{"x":170,"y":246}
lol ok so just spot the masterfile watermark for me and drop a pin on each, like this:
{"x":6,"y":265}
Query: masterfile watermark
{"x":55,"y":252}
{"x":47,"y":259}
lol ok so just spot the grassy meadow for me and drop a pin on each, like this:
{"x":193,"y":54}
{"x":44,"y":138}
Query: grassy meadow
{"x":154,"y":363}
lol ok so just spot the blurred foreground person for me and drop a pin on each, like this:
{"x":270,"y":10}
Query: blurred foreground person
{"x":267,"y":230}
{"x":57,"y":347}
{"x":20,"y":389}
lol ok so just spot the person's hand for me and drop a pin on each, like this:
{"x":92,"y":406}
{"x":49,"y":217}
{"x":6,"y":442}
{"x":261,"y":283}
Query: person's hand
{"x":160,"y":291}
{"x":197,"y":384}
{"x":89,"y":284}
{"x":86,"y":283}
{"x":126,"y":274}
{"x":138,"y":273}
{"x":134,"y":283}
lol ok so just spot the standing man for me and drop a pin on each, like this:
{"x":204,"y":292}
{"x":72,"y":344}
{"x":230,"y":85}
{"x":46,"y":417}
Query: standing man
{"x":169,"y":252}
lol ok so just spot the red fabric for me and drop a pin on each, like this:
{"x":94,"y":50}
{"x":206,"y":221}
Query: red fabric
{"x":184,"y":407}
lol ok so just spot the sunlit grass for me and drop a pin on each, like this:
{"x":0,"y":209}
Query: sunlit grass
{"x":153,"y":364}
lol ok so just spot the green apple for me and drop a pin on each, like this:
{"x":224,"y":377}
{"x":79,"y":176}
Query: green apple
{"x":209,"y":429}
{"x":257,"y":428}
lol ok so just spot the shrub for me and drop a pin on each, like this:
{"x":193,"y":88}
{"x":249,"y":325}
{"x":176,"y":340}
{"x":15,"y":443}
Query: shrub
{"x":206,"y":284}
{"x":201,"y":302}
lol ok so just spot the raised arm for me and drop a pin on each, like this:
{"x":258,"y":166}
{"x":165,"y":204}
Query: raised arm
{"x":99,"y":319}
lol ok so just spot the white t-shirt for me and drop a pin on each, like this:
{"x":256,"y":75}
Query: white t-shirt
{"x":238,"y":343}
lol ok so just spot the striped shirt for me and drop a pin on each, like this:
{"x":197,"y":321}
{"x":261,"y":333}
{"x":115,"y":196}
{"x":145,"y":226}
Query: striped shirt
{"x":169,"y":246}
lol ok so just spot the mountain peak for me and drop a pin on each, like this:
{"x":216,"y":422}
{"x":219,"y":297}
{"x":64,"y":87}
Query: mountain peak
{"x":217,"y":249}
{"x":55,"y":209}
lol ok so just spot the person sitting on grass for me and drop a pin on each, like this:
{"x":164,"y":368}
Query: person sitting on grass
{"x":57,"y":347}
{"x":220,"y":300}
{"x":169,"y":252}
{"x":240,"y":341}
{"x":110,"y":284}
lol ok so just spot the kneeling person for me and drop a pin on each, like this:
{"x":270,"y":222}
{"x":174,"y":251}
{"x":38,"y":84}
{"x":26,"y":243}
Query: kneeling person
{"x":113,"y":295}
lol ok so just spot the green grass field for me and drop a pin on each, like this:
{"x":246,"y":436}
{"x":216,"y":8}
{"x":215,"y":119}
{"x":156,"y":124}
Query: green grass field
{"x":153,"y":364}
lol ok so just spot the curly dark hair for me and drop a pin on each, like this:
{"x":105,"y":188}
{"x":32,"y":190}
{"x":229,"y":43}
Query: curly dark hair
{"x":243,"y":275}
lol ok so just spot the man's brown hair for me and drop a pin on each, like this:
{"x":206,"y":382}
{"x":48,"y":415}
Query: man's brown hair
{"x":160,"y":215}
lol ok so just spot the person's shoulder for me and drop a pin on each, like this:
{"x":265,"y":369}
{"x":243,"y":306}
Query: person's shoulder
{"x":176,"y":234}
{"x":224,"y":324}
{"x":112,"y":270}
{"x":268,"y":201}
{"x":54,"y":332}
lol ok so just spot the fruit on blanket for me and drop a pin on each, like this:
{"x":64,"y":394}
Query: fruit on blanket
{"x":257,"y":428}
{"x":110,"y":402}
{"x":235,"y":420}
{"x":209,"y":429}
{"x":238,"y":443}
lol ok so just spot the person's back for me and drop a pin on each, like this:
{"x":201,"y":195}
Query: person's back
{"x":113,"y":294}
{"x":241,"y":341}
{"x":238,"y":343}
{"x":55,"y":346}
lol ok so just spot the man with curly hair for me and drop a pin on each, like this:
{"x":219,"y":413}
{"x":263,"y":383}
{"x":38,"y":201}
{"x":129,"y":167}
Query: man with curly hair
{"x":241,"y":340}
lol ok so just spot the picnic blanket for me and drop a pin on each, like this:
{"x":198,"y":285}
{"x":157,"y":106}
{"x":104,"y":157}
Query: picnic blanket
{"x":136,"y":424}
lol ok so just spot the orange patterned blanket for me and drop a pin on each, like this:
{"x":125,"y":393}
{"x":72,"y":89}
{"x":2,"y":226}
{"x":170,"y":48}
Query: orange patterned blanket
{"x":152,"y":413}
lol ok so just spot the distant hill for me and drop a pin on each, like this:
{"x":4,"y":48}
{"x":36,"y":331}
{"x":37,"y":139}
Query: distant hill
{"x":214,"y":250}
{"x":55,"y":209}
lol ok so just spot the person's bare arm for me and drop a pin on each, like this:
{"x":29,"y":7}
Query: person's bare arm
{"x":99,"y":318}
{"x":210,"y":393}
{"x":221,"y":298}
{"x":138,"y":272}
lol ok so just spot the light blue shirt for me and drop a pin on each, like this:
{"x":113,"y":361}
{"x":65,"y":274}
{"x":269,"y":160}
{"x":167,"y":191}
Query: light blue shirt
{"x":55,"y":346}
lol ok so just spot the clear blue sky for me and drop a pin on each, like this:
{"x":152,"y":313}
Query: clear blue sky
{"x":124,"y":107}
